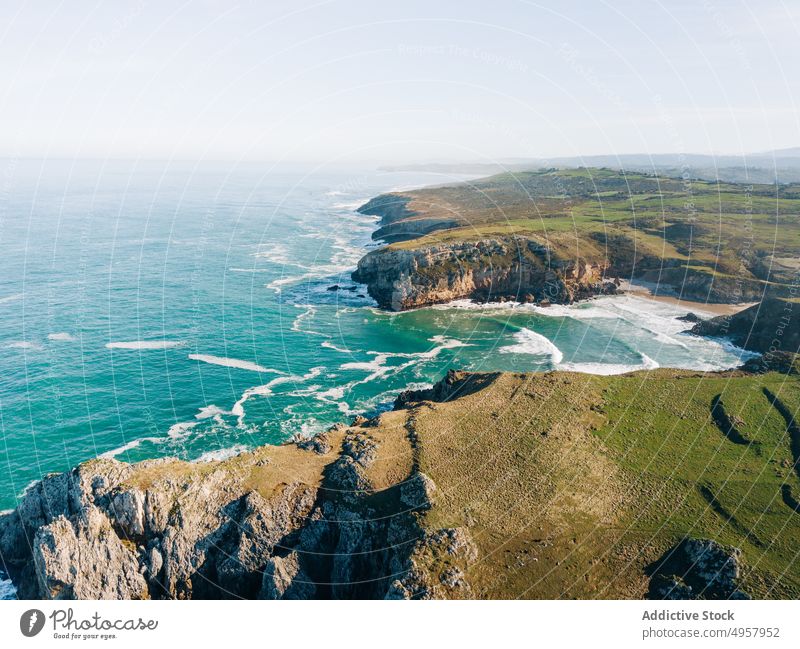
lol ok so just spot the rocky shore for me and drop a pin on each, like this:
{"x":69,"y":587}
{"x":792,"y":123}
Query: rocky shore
{"x":410,"y":505}
{"x":769,"y":327}
{"x":309,"y":519}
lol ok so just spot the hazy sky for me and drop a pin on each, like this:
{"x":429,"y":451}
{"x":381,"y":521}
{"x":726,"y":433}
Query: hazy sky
{"x":396,"y":81}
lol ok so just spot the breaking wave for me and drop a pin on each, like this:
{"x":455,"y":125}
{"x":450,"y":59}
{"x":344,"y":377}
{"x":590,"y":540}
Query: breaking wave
{"x":607,"y":369}
{"x":146,"y":344}
{"x":529,"y":342}
{"x":232,"y":362}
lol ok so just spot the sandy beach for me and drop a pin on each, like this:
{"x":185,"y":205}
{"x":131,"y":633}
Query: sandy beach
{"x":646,"y":290}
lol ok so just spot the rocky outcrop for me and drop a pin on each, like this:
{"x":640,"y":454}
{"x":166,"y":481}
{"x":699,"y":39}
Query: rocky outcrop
{"x":226,"y":529}
{"x":202,"y":530}
{"x":697,"y":569}
{"x":456,"y":383}
{"x":517,"y":268}
{"x":411,"y":504}
{"x":769,"y":327}
{"x":783,"y":362}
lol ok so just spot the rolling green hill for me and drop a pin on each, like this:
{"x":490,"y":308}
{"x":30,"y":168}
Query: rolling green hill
{"x":720,"y":242}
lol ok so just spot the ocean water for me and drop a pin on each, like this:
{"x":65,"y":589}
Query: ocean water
{"x":171,"y":309}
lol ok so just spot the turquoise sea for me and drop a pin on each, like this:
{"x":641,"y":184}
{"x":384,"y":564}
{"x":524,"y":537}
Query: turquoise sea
{"x":154,"y":309}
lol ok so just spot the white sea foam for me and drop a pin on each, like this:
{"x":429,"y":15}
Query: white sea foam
{"x":278,"y":254}
{"x":27,"y":488}
{"x":378,"y":368}
{"x":333,"y":394}
{"x":308,"y":314}
{"x":10,"y":298}
{"x":329,"y":345}
{"x":607,"y":369}
{"x":181,"y":429}
{"x":61,"y":336}
{"x":145,"y":344}
{"x":222,"y":454}
{"x":23,"y":344}
{"x":267,"y":389}
{"x":232,"y":362}
{"x":530,"y":342}
{"x":129,"y":446}
{"x":7,"y":589}
{"x":209,"y":411}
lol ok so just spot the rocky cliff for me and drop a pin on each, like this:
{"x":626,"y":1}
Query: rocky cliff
{"x":558,"y":235}
{"x":307,"y":519}
{"x":484,"y":486}
{"x":498,"y":269}
{"x":769,"y":327}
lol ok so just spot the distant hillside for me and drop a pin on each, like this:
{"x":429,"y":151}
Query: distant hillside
{"x":560,"y":234}
{"x":781,"y":166}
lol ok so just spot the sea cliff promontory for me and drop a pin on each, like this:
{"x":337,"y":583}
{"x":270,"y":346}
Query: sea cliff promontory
{"x":558,"y":235}
{"x":485,"y":486}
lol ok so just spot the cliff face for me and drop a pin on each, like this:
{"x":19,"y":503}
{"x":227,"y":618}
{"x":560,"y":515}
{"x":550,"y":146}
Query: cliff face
{"x":411,"y":505}
{"x":707,"y":242}
{"x":516,"y":268}
{"x":313,"y":519}
{"x":398,"y":221}
{"x":771,"y":326}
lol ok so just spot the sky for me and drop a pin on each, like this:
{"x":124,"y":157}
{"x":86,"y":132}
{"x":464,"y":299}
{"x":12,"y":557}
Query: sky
{"x":396,"y":82}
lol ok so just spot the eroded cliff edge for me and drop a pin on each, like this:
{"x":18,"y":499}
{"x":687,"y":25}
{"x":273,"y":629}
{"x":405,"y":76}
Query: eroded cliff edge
{"x":486,"y":486}
{"x":562,"y":235}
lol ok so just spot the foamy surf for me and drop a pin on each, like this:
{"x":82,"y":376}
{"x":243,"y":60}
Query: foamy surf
{"x":222,"y":454}
{"x":236,"y":363}
{"x":267,"y":389}
{"x":10,"y":298}
{"x":144,"y":345}
{"x":532,"y":343}
{"x":609,"y":369}
{"x":61,"y":336}
{"x":108,"y":455}
{"x":7,"y":589}
{"x":23,"y":344}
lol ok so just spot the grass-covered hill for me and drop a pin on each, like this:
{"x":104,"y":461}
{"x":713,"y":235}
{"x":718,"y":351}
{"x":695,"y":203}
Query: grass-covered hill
{"x":718,"y":241}
{"x":659,"y":483}
{"x":593,"y":481}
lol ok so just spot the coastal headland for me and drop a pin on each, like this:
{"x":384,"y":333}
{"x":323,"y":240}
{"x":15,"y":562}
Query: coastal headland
{"x":656,"y":483}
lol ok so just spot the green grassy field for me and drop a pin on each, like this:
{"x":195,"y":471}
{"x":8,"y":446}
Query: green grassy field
{"x":644,"y":226}
{"x":592,"y":479}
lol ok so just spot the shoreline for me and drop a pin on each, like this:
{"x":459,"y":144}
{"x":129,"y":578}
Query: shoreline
{"x":646,"y":291}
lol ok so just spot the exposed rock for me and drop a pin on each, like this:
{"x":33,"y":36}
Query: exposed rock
{"x":690,"y":317}
{"x":783,"y":362}
{"x":95,"y":535}
{"x":418,"y":491}
{"x":771,"y":326}
{"x":455,"y":384}
{"x":319,"y":443}
{"x":284,"y":579}
{"x":85,"y":559}
{"x":516,"y":268}
{"x":697,"y":569}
